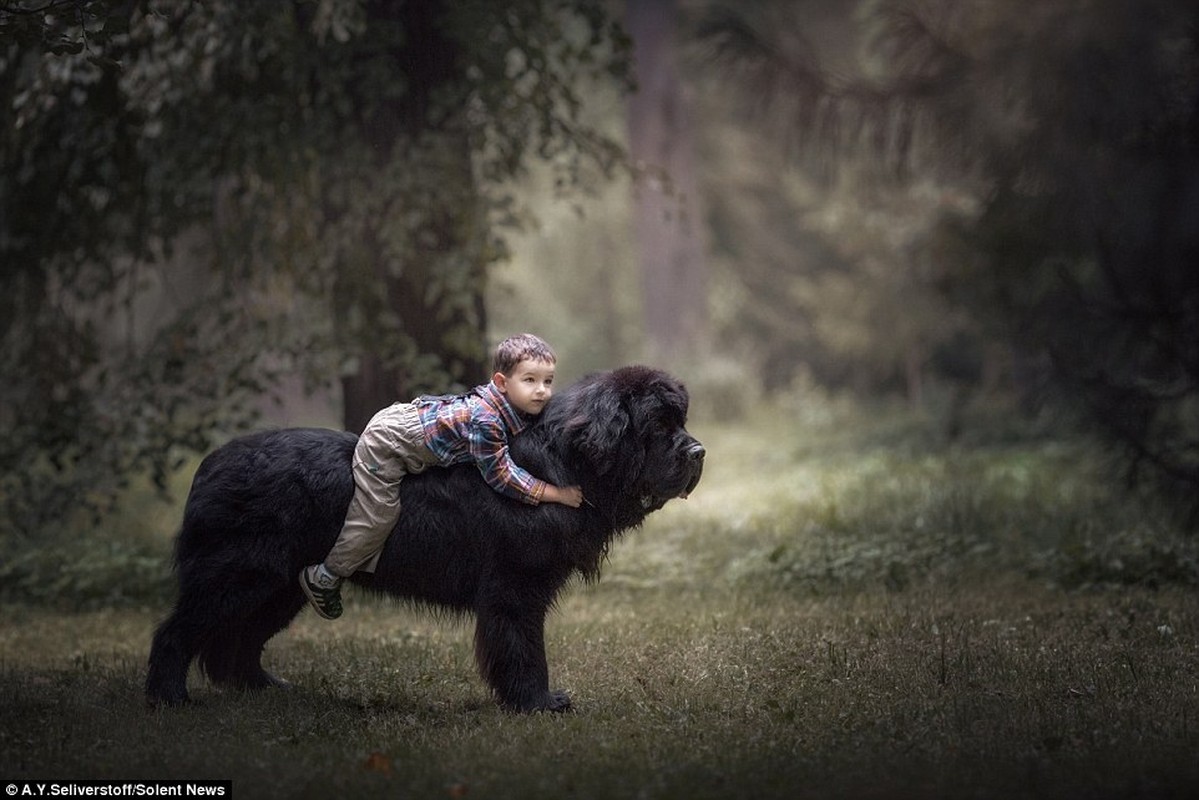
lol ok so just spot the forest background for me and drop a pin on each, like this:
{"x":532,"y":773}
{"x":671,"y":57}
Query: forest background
{"x":208,"y":205}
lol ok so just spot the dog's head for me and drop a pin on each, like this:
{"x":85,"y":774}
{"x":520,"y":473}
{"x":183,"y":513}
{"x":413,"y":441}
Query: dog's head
{"x":626,"y":429}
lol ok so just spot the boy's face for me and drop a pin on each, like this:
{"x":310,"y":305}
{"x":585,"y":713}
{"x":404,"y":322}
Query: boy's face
{"x":529,"y":386}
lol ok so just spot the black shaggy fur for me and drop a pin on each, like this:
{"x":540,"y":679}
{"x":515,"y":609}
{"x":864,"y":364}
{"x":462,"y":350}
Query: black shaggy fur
{"x":264,"y":506}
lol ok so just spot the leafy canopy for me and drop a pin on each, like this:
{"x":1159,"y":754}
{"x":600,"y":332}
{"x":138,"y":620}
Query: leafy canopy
{"x":199,"y":197}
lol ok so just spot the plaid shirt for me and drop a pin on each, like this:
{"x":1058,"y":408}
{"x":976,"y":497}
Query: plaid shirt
{"x":475,"y":427}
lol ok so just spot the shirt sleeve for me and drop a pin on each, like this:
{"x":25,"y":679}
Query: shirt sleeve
{"x":489,"y":448}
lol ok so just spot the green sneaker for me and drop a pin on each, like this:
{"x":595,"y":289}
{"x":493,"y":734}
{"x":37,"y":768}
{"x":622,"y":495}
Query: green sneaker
{"x":323,"y":590}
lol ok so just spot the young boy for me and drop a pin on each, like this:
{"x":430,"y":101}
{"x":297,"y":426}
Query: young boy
{"x":405,"y":438}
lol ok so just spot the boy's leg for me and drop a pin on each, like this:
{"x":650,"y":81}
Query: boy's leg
{"x":390,"y":447}
{"x":371,"y":515}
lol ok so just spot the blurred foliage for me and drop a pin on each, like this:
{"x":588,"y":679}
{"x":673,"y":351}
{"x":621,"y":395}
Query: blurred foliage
{"x":827,"y":248}
{"x":852,"y":496}
{"x":1037,"y":174}
{"x":897,"y":519}
{"x":572,"y":276}
{"x":87,"y":575}
{"x":198,"y":198}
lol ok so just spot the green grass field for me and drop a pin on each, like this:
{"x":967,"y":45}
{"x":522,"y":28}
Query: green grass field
{"x":839,"y":611}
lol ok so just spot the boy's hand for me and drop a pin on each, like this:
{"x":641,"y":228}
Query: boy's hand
{"x":566,"y":495}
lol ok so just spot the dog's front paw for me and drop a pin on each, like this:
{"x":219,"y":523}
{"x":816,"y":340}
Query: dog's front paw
{"x":558,"y":701}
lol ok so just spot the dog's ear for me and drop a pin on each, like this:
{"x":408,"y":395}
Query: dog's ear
{"x":598,"y":427}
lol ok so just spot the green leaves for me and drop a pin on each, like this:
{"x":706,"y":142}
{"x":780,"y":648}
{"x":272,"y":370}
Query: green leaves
{"x":197,"y":198}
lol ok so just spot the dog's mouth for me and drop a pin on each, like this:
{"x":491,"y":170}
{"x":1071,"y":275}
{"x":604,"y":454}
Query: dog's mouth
{"x":697,"y":471}
{"x":652,"y":502}
{"x":694,"y":470}
{"x":695,"y":462}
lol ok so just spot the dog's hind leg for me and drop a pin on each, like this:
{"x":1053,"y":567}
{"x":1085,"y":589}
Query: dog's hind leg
{"x":176,"y":643}
{"x":232,"y":656}
{"x":214,"y":619}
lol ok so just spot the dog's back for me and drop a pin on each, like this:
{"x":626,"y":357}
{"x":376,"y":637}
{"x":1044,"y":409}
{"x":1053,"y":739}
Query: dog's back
{"x":266,"y":495}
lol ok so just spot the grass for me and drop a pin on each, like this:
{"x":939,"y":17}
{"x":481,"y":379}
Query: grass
{"x":840,"y":612}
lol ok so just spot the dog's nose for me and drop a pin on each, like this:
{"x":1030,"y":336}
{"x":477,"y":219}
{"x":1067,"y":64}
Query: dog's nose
{"x":696,"y":452}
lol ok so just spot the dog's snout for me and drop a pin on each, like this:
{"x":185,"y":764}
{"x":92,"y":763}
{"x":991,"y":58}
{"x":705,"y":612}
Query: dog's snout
{"x":695,"y":465}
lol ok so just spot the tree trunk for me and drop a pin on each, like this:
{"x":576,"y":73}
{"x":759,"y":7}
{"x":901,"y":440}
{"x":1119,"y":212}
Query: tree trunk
{"x":667,"y":209}
{"x":363,"y":392}
{"x":448,"y":325}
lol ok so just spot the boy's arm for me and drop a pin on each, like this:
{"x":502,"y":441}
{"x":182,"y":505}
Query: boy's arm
{"x":489,"y":448}
{"x":566,"y":495}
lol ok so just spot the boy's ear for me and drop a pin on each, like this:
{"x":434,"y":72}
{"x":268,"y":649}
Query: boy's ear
{"x":501,"y":382}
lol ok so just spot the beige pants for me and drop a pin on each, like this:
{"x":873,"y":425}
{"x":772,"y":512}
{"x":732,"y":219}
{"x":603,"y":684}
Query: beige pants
{"x":391,"y":446}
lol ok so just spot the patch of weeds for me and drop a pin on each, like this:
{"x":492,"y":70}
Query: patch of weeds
{"x":892,"y":519}
{"x":1136,"y":556}
{"x":87,"y":575}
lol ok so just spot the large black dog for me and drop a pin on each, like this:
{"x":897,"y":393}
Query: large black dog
{"x":263,"y":506}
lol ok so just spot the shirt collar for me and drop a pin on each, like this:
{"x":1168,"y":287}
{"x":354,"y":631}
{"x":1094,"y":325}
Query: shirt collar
{"x":514,"y":421}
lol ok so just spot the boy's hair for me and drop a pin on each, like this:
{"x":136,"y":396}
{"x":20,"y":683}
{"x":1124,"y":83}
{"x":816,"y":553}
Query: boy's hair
{"x":516,"y":349}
